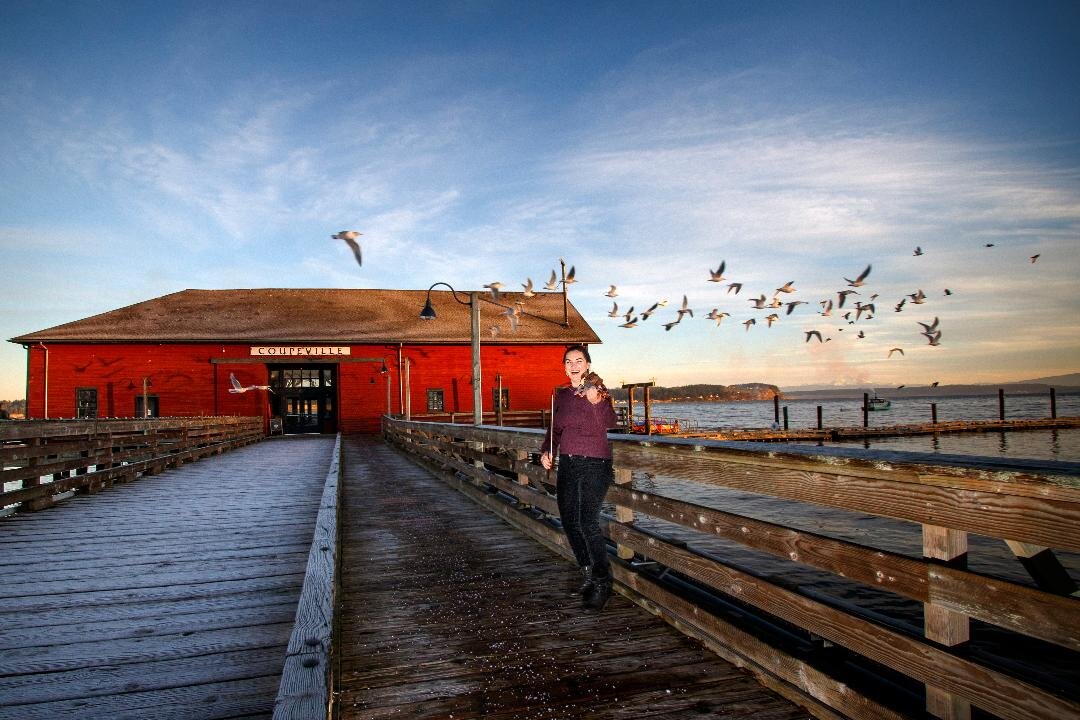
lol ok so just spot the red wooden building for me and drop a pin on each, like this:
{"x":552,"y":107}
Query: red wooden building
{"x":335,"y":359}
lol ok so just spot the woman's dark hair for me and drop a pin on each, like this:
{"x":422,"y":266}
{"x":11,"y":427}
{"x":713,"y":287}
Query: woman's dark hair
{"x":579,"y":348}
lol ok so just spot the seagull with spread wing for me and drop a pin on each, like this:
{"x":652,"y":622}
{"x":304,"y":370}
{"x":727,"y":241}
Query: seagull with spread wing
{"x":859,"y":281}
{"x":237,"y":388}
{"x":349,"y":236}
{"x":718,"y":274}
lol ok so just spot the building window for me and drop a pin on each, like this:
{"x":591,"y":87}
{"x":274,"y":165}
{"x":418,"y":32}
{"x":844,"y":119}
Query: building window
{"x":152,"y":403}
{"x":505,"y":398}
{"x":86,"y":402}
{"x":435,"y":400}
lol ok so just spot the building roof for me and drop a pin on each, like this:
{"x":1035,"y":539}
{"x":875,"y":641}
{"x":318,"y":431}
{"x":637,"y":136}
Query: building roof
{"x":274,"y":315}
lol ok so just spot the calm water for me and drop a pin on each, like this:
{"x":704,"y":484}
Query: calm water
{"x":1046,"y":663}
{"x":1032,"y":444}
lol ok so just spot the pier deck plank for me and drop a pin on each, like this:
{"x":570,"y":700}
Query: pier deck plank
{"x":448,"y":612}
{"x":169,"y":597}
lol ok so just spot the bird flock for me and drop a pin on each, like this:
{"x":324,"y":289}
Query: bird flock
{"x":859,"y":306}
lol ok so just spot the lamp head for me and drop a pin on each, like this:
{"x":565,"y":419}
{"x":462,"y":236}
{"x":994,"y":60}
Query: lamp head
{"x":428,"y":313}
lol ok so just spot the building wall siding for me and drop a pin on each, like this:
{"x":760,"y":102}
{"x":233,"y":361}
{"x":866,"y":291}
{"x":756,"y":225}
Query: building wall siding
{"x":188,"y":383}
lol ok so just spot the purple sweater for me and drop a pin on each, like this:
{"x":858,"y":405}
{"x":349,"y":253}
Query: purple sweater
{"x":579,"y":427}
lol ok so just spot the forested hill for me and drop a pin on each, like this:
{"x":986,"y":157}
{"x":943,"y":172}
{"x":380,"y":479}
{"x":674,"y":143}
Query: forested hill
{"x":701,"y":393}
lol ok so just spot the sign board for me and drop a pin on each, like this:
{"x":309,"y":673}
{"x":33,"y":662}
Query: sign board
{"x":299,"y":350}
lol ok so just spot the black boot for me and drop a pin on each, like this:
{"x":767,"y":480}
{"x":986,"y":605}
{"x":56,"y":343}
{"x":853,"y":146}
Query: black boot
{"x":586,"y":586}
{"x":598,"y":596}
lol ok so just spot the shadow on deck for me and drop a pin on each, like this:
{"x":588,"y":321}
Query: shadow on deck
{"x":447,"y":612}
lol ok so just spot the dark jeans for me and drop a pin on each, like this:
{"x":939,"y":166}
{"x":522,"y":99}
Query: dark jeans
{"x":583,"y":483}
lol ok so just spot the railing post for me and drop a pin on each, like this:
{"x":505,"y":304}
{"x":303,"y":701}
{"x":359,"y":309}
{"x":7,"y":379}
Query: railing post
{"x":623,"y":514}
{"x":944,"y":626}
{"x":521,"y":456}
{"x":37,"y":503}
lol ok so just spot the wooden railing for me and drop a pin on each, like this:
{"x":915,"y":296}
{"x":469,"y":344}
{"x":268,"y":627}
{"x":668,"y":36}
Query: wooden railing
{"x":44,"y":458}
{"x":508,"y":418}
{"x":1033,"y":507}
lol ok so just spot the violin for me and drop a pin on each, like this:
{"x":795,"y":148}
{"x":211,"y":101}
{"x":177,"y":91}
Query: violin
{"x":592,"y":380}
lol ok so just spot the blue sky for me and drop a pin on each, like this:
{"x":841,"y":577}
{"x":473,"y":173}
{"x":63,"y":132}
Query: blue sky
{"x":147,"y":148}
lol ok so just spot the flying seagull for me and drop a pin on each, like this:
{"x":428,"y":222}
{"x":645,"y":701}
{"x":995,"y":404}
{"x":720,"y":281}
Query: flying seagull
{"x":614,"y":310}
{"x":892,"y":350}
{"x":528,"y":288}
{"x":750,"y":322}
{"x":645,"y":315}
{"x":716,"y":315}
{"x":238,"y":388}
{"x":791,"y":305}
{"x":1033,"y":258}
{"x":931,"y":327}
{"x":787,"y":287}
{"x":859,"y":281}
{"x":918,"y":251}
{"x":612,"y":292}
{"x":349,"y":236}
{"x":684,"y":310}
{"x":630,"y":323}
{"x":718,"y":274}
{"x":813,"y":333}
{"x":552,"y":283}
{"x":842,"y":295}
{"x":734,"y":286}
{"x":495,"y":287}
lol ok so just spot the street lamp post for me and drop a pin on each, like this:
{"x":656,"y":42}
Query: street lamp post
{"x":428,"y":313}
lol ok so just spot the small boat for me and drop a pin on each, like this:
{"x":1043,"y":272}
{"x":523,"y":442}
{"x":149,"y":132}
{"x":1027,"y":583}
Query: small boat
{"x":660,"y":427}
{"x":876,"y":403}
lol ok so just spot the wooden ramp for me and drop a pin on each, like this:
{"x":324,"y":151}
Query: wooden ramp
{"x":170,"y":597}
{"x":447,"y":612}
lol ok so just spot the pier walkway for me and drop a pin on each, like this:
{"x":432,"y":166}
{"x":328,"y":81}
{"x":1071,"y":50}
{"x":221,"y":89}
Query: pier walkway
{"x":169,"y":597}
{"x":447,"y":612}
{"x":174,"y":597}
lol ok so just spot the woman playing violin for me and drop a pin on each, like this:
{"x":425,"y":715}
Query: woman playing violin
{"x":581,"y":415}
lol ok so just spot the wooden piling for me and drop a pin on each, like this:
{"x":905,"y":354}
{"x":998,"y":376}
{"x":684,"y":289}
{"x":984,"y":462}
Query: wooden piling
{"x":933,"y":413}
{"x":866,"y":409}
{"x":776,"y":408}
{"x":1053,"y":404}
{"x":785,"y":418}
{"x":819,"y":426}
{"x":1001,"y":403}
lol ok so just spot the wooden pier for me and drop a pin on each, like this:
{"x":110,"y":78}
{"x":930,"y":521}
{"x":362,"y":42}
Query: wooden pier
{"x":171,"y":596}
{"x":424,"y":574}
{"x":446,"y":612}
{"x":858,"y":432}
